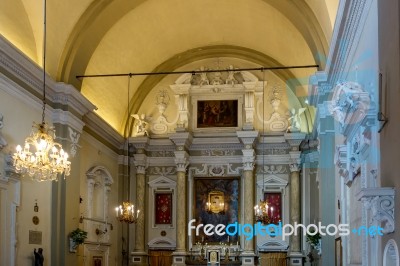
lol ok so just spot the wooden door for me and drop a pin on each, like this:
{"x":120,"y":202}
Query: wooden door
{"x":160,"y":258}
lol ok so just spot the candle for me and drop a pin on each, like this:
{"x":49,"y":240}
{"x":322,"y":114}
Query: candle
{"x":228,"y":239}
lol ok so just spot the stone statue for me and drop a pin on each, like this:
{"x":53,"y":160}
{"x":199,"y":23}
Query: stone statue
{"x":203,"y":77}
{"x":231,"y":76}
{"x":3,"y":141}
{"x":38,"y":257}
{"x":295,"y":120}
{"x":140,"y":125}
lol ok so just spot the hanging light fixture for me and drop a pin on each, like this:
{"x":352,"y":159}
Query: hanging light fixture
{"x":261,"y":209}
{"x":126,"y":212}
{"x":41,"y":157}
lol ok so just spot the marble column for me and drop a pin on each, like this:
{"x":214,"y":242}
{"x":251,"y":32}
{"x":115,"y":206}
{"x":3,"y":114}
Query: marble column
{"x":295,"y":207}
{"x":248,"y":209}
{"x":248,"y":160}
{"x":139,"y":254}
{"x":181,"y":161}
{"x":182,"y":141}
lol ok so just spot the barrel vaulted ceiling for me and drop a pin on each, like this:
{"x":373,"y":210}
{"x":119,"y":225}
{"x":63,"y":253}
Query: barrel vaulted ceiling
{"x":123,"y":36}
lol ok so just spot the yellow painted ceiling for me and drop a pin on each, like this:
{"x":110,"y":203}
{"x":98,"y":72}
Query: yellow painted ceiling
{"x":123,"y":36}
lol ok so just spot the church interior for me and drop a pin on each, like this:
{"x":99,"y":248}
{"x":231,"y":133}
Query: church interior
{"x":187,"y":132}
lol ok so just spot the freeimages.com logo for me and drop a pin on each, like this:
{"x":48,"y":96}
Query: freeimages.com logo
{"x":259,"y":229}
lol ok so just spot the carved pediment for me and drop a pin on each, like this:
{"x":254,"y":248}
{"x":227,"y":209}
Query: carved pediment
{"x":162,"y":181}
{"x":273,"y":245}
{"x":272,"y":181}
{"x":162,"y":243}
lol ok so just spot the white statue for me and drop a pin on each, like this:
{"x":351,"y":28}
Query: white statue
{"x":140,"y":125}
{"x":231,"y":76}
{"x":3,"y":141}
{"x":203,"y":77}
{"x":295,"y":120}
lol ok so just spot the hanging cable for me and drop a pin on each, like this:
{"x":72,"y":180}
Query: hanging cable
{"x":193,"y":72}
{"x":44,"y":58}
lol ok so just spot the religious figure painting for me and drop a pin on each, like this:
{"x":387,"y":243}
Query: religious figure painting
{"x":216,"y":202}
{"x":217,"y":113}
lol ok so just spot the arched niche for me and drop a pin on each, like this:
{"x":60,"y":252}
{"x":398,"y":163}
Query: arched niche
{"x":99,"y":182}
{"x":391,"y":254}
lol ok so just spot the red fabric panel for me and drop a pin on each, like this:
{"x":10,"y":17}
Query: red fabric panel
{"x":163,"y":208}
{"x":275,"y":201}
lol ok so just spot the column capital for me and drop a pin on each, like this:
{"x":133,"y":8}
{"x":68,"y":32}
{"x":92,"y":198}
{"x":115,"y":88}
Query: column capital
{"x":294,"y":167}
{"x":248,"y":159}
{"x":140,"y":162}
{"x":181,"y":161}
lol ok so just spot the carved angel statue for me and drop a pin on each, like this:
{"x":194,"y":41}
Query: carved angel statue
{"x":3,"y":141}
{"x":231,"y":76}
{"x":140,"y":125}
{"x":295,"y":120}
{"x":203,"y":77}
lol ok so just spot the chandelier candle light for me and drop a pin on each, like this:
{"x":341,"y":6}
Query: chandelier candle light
{"x":42,"y":158}
{"x":126,"y":213}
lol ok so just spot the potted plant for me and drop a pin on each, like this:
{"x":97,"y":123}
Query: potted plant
{"x":76,"y":238}
{"x":315,"y":241}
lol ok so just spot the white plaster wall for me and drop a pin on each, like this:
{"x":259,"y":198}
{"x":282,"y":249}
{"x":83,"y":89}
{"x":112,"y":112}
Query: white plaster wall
{"x":19,"y":113}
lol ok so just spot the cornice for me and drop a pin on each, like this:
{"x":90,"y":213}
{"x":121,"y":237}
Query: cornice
{"x":102,"y":131}
{"x":350,"y":19}
{"x":25,"y":71}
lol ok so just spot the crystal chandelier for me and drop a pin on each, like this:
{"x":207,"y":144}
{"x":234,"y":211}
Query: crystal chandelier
{"x":42,"y":158}
{"x":126,"y":213}
{"x":261,"y":212}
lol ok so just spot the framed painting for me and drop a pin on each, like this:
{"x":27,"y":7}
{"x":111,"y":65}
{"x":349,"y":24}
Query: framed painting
{"x":97,"y":261}
{"x":163,"y":208}
{"x":217,"y":113}
{"x":216,"y":201}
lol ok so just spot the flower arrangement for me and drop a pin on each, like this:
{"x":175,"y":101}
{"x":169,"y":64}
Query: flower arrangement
{"x":78,"y":236}
{"x":313,"y":239}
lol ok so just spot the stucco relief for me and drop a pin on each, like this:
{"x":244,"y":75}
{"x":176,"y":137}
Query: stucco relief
{"x":350,"y":103}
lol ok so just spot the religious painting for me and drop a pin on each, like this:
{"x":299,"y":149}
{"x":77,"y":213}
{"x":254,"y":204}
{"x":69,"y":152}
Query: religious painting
{"x":97,"y":261}
{"x":163,"y":208}
{"x":216,"y":201}
{"x":274,"y":206}
{"x":338,"y":251}
{"x":213,"y":256}
{"x":217,"y":113}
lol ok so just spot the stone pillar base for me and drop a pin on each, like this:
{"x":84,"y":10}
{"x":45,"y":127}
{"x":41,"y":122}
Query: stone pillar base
{"x":139,"y":258}
{"x":248,"y":258}
{"x":178,"y":258}
{"x":295,"y":258}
